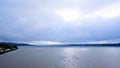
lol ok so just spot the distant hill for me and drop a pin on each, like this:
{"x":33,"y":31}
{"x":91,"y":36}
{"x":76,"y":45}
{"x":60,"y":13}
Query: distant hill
{"x":58,"y":45}
{"x":115,"y":44}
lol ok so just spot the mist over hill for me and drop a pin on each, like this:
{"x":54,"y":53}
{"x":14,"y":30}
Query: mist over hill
{"x":60,"y":45}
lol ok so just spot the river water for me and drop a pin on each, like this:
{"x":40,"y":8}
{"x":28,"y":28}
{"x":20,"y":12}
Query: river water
{"x":62,"y":57}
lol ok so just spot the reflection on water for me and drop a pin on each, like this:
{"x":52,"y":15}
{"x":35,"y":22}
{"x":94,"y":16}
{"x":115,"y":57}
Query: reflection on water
{"x":69,"y":60}
{"x":69,"y":51}
{"x":62,"y":57}
{"x":71,"y":57}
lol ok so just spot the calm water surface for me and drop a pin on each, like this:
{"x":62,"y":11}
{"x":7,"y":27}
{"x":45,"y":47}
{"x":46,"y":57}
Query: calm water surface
{"x":62,"y":57}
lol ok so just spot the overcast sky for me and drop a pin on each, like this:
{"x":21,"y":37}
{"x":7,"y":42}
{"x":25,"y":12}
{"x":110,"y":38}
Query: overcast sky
{"x":66,"y":21}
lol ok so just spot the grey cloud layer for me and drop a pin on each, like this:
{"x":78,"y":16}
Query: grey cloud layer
{"x":32,"y":20}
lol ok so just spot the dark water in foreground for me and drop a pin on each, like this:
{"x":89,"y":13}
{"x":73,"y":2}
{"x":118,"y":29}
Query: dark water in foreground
{"x":62,"y":57}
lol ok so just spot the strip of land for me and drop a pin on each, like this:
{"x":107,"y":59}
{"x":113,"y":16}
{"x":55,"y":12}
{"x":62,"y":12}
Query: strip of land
{"x":4,"y":48}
